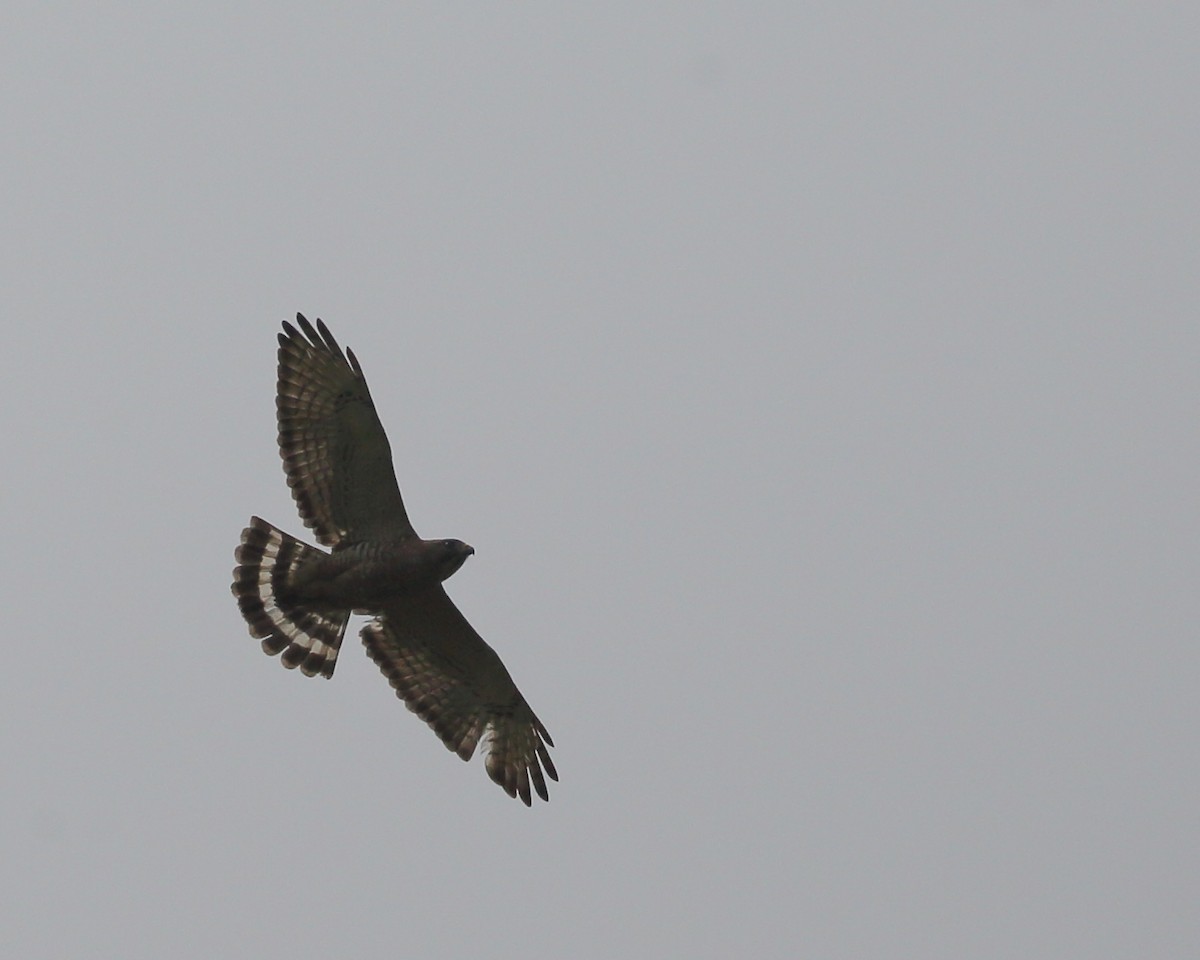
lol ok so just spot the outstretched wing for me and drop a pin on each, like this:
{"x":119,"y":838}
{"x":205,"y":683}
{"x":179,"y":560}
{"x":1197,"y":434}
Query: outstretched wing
{"x":336,"y":455}
{"x":455,"y":682}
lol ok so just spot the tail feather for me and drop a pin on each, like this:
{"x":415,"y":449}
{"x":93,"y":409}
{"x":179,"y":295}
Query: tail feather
{"x":306,"y":635}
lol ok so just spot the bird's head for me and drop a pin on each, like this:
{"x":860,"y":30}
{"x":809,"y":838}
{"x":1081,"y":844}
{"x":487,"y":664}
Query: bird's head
{"x":451,"y":554}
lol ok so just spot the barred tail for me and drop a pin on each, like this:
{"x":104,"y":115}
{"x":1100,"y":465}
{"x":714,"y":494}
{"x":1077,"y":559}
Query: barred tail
{"x":307,"y":635}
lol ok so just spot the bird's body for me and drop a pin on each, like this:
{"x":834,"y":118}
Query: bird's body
{"x":297,"y":598}
{"x":365,"y":577}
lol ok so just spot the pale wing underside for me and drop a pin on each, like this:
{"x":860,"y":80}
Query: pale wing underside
{"x":451,"y":678}
{"x":334,"y":449}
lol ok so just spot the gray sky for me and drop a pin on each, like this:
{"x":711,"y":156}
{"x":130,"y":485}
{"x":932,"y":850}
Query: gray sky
{"x":817,"y":384}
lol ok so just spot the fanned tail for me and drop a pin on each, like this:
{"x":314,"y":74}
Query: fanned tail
{"x":308,"y":636}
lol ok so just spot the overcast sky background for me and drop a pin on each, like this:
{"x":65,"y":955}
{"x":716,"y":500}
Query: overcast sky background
{"x":816,"y":382}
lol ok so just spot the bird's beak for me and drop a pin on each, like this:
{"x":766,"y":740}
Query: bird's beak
{"x":470,"y":549}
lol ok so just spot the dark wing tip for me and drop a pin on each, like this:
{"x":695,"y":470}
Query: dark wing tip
{"x":307,"y":327}
{"x":544,"y":756}
{"x":316,"y":338}
{"x":516,"y":771}
{"x":327,"y":337}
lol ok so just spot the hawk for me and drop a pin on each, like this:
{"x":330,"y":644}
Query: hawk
{"x":297,"y":598}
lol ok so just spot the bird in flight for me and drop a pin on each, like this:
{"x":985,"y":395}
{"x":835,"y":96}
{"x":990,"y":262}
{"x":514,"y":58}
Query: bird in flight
{"x":297,"y":598}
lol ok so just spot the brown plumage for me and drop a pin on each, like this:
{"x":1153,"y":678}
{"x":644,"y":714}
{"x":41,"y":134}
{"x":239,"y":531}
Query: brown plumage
{"x":297,"y":598}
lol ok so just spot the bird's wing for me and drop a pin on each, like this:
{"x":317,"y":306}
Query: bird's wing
{"x":336,"y":455}
{"x":447,"y":675}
